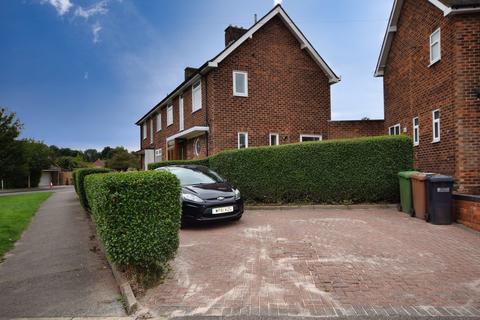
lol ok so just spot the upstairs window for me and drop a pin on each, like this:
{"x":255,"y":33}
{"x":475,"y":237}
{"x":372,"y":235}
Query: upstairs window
{"x":274,"y":139}
{"x":242,"y":140}
{"x":436,"y":125}
{"x":169,"y":116}
{"x":310,"y":137}
{"x":394,"y":130}
{"x":416,"y":132}
{"x":240,"y":83}
{"x":159,"y":121}
{"x":435,"y":47}
{"x":144,"y":130}
{"x":151,"y":130}
{"x":197,"y":96}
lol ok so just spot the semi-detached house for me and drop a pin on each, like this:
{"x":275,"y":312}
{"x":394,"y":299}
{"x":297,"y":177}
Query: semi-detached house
{"x":268,"y":86}
{"x":430,"y":64}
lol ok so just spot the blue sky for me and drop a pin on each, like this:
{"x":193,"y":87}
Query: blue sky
{"x":79,"y":73}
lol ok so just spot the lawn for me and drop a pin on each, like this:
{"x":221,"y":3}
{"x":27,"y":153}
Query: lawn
{"x":15,"y":214}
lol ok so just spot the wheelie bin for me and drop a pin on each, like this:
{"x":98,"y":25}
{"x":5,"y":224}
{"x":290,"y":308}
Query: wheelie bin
{"x":419,"y":194}
{"x":406,"y":191}
{"x":439,"y":190}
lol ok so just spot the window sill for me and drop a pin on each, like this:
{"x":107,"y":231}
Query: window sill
{"x":416,"y":144}
{"x":169,"y":125}
{"x":241,"y":95}
{"x":434,"y":62}
{"x":435,"y":141}
{"x":196,"y":110}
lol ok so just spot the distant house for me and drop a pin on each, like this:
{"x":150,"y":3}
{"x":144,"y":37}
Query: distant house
{"x":99,"y":164}
{"x":268,"y":86}
{"x":430,"y":64}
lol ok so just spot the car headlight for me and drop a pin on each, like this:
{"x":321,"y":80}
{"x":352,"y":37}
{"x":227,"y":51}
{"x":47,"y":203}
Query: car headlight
{"x":191,"y":197}
{"x":237,"y":194}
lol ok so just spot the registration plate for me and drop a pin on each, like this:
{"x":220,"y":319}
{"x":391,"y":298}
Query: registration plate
{"x":222,"y":210}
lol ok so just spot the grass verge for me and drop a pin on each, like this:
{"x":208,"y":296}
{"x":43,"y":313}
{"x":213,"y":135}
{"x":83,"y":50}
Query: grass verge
{"x":16,"y":211}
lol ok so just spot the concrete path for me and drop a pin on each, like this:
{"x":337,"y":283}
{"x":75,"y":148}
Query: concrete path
{"x":11,"y":192}
{"x":55,"y":270}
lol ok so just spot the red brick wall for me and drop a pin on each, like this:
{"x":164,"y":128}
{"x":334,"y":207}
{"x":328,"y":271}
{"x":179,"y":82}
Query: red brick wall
{"x":288,"y":92}
{"x":415,"y":89}
{"x":468,"y":213}
{"x":355,"y":128}
{"x":467,"y":48}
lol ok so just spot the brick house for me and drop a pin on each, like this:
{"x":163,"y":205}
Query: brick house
{"x":268,"y":86}
{"x":430,"y":64}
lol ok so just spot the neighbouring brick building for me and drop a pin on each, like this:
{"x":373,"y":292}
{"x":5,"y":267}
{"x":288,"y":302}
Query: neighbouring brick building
{"x":430,"y":62}
{"x":268,"y":86}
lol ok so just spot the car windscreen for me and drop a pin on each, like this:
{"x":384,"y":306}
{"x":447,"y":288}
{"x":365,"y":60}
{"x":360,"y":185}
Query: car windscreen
{"x":189,"y":176}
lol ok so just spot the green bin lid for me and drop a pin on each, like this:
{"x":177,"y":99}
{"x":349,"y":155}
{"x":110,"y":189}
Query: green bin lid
{"x":406,"y":174}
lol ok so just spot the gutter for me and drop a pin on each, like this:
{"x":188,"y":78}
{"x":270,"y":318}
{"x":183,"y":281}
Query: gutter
{"x":463,"y":11}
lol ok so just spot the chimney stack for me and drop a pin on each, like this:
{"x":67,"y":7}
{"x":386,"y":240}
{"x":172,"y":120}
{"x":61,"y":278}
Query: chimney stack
{"x":233,"y":33}
{"x":189,"y":71}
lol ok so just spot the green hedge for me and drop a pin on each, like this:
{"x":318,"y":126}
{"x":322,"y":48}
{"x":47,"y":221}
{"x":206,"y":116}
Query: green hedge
{"x":332,"y":171}
{"x":79,"y":177}
{"x":200,"y":162}
{"x":137,"y":215}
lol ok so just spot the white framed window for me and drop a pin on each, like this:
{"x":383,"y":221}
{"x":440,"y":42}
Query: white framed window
{"x":435,"y":46}
{"x":242,"y":140}
{"x":159,"y":121}
{"x":169,"y":115}
{"x":197,"y":147}
{"x":310,"y":137}
{"x":240,"y":83}
{"x":394,"y":130}
{"x":436,"y":125}
{"x":416,"y":131}
{"x":158,"y":155}
{"x":144,"y":130}
{"x":274,"y":139}
{"x":181,"y":118}
{"x":197,"y":96}
{"x":151,"y":130}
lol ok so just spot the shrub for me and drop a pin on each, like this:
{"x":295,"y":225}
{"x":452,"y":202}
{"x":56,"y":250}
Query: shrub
{"x":137,"y":215}
{"x":200,"y":162}
{"x":79,"y":177}
{"x":335,"y":171}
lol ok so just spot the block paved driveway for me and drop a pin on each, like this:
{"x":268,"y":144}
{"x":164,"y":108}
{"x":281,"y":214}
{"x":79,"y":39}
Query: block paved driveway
{"x":322,"y":262}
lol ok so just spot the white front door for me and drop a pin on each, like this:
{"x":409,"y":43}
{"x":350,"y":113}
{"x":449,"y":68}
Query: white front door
{"x":180,"y":114}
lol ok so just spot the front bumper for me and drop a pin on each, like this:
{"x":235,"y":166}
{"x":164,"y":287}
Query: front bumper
{"x":203,"y":211}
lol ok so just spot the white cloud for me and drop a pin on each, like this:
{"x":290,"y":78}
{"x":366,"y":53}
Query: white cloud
{"x":96,"y":9}
{"x":62,"y":6}
{"x":85,"y":75}
{"x":96,"y":28}
{"x":275,"y":2}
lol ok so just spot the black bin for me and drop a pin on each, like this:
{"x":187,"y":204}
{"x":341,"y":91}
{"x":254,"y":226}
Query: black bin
{"x":439,"y":190}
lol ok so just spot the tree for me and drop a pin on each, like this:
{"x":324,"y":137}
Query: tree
{"x":91,"y":155}
{"x":37,"y":158}
{"x":106,"y":153}
{"x":10,"y":154}
{"x":70,"y":163}
{"x":122,"y":160}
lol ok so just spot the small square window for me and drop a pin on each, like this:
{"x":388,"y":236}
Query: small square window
{"x":394,"y":130}
{"x":242,"y":140}
{"x":274,"y":139}
{"x":240,"y":83}
{"x":169,"y":116}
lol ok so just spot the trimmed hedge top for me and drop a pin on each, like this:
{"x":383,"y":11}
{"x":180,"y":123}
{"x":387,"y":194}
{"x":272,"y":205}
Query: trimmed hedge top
{"x":79,"y":177}
{"x":137,"y":216}
{"x":331,"y":171}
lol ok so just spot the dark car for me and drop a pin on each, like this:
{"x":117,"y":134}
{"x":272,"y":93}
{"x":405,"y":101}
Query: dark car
{"x":205,"y":195}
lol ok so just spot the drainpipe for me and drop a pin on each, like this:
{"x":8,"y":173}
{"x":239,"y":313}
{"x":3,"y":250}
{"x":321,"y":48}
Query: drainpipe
{"x":206,"y":113}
